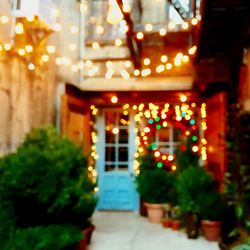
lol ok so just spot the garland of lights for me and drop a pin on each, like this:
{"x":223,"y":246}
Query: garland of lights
{"x":190,"y":119}
{"x":181,"y":117}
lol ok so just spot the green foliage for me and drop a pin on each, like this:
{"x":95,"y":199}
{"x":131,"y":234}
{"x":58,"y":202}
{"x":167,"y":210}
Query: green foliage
{"x":186,"y":158}
{"x":45,"y":182}
{"x":211,"y":205}
{"x":155,"y":186}
{"x":53,"y":237}
{"x":244,"y":246}
{"x":238,"y":176}
{"x":147,"y":161}
{"x":192,"y":186}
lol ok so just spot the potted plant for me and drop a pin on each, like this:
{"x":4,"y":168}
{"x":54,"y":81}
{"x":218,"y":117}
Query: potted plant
{"x":211,"y":211}
{"x":153,"y":186}
{"x":46,"y":183}
{"x":176,"y":218}
{"x":190,"y":183}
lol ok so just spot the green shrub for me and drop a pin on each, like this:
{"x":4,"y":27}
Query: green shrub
{"x":53,"y":237}
{"x":211,"y":205}
{"x":45,"y":182}
{"x":155,"y":186}
{"x":191,"y":185}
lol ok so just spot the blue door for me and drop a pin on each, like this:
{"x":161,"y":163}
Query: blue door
{"x":116,"y":149}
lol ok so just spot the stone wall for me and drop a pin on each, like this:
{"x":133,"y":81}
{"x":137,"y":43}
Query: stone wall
{"x":26,"y":100}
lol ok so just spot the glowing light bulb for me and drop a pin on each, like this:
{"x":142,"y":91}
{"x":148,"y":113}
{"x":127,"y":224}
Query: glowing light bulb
{"x":115,"y":131}
{"x":21,"y":52}
{"x":31,"y":66}
{"x":109,"y":64}
{"x":184,"y":25}
{"x":169,"y":66}
{"x":183,"y":98}
{"x":114,"y":99}
{"x":29,"y":48}
{"x":194,"y":21}
{"x":19,"y":28}
{"x":164,"y":58}
{"x":127,"y":64}
{"x":139,"y":35}
{"x":4,"y":19}
{"x":51,"y":49}
{"x":118,"y":42}
{"x":30,"y":18}
{"x":163,"y":32}
{"x":160,"y":68}
{"x":148,"y":27}
{"x":192,"y":50}
{"x":146,"y":61}
{"x":114,"y":15}
{"x":95,"y":45}
{"x":99,"y":29}
{"x":137,"y":72}
{"x":125,"y":74}
{"x":45,"y":58}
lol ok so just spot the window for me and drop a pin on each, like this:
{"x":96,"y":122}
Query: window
{"x":167,"y":139}
{"x":116,"y":141}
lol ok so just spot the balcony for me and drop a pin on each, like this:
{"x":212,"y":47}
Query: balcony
{"x":44,"y":10}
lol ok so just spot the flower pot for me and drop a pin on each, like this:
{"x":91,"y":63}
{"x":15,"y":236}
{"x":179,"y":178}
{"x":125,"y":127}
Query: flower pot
{"x":82,"y":244}
{"x":88,"y":233}
{"x":192,"y":225}
{"x":155,"y":212}
{"x":176,"y":224}
{"x":167,"y":223}
{"x":211,"y":229}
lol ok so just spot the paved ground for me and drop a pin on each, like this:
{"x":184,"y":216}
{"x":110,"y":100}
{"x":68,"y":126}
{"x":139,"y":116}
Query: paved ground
{"x":130,"y":231}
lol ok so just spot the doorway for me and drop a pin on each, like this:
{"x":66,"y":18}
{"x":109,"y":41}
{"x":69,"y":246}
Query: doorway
{"x":116,"y":149}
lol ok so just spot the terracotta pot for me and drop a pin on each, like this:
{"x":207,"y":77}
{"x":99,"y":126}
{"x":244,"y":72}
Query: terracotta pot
{"x":82,"y":244}
{"x":155,"y":212}
{"x":167,"y":223}
{"x":176,"y":224}
{"x":88,"y":233}
{"x":87,"y":238}
{"x":211,"y":229}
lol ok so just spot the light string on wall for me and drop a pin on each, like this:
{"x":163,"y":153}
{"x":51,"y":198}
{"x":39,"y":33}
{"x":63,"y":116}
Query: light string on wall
{"x":49,"y":52}
{"x":93,"y":154}
{"x":189,"y":118}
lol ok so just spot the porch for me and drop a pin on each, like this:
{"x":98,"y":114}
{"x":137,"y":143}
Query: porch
{"x":130,"y":231}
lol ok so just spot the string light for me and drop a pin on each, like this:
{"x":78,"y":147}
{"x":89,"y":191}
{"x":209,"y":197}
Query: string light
{"x":4,"y":19}
{"x":118,"y":42}
{"x":148,"y":27}
{"x":30,"y":18}
{"x":99,"y":30}
{"x":164,"y":58}
{"x":146,"y":61}
{"x":139,"y":35}
{"x":114,"y":99}
{"x":31,"y":66}
{"x":19,"y":28}
{"x":162,"y":32}
{"x":51,"y":49}
{"x":29,"y":48}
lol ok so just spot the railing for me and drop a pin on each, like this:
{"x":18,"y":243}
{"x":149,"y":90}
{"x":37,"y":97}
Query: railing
{"x":158,"y":13}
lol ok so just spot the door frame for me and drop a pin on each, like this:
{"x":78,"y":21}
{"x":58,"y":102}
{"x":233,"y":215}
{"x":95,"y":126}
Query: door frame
{"x":100,"y":148}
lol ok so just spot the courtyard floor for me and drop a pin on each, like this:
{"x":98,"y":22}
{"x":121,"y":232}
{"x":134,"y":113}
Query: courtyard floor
{"x":130,"y":231}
